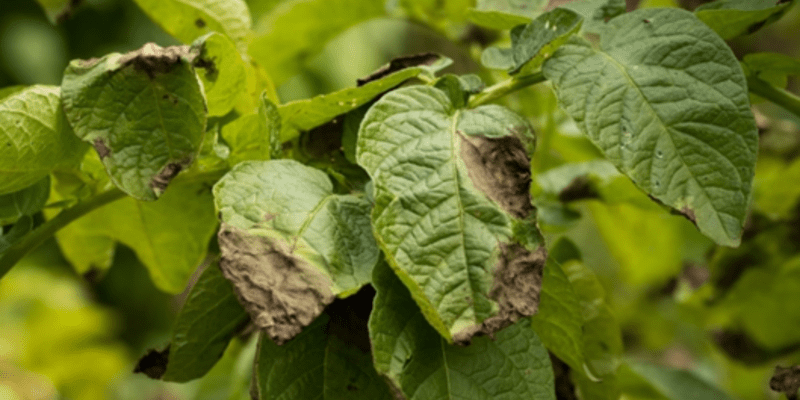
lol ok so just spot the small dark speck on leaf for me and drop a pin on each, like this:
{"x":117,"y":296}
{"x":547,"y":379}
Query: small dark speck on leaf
{"x":200,"y":23}
{"x":646,"y":21}
{"x":102,"y":150}
{"x":154,"y":363}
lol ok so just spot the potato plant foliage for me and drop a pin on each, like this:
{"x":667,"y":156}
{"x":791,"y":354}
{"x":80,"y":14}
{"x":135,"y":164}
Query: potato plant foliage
{"x":388,"y":240}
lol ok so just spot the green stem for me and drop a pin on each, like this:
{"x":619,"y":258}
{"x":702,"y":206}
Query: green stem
{"x":505,"y":87}
{"x":787,"y":100}
{"x":39,"y":235}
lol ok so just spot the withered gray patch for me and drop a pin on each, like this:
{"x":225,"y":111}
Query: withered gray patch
{"x":689,"y":214}
{"x":516,"y":287}
{"x":786,"y":380}
{"x":398,"y":64}
{"x":155,"y":60}
{"x":154,"y":363}
{"x":500,"y":168}
{"x":163,"y":178}
{"x":102,"y":150}
{"x":282,"y":292}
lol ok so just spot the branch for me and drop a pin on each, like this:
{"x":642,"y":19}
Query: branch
{"x":787,"y":100}
{"x":505,"y":87}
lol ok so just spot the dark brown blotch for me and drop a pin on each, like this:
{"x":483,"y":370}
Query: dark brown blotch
{"x":200,"y":23}
{"x":154,"y":363}
{"x":102,"y":150}
{"x":160,"y":182}
{"x":786,"y":380}
{"x":155,"y":60}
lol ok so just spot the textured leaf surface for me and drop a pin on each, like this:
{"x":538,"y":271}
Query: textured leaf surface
{"x":186,"y":20}
{"x":143,"y":112}
{"x":224,"y":76}
{"x":207,"y":322}
{"x":595,"y":13}
{"x":505,"y":14}
{"x":422,"y":366}
{"x":254,"y":136}
{"x":731,"y":18}
{"x":298,"y":29}
{"x":534,"y":42}
{"x":302,"y":115}
{"x":28,"y":201}
{"x":169,"y":236}
{"x":35,"y":138}
{"x":453,"y":212}
{"x":666,"y":101}
{"x":677,"y":384}
{"x":322,"y":363}
{"x":289,"y":244}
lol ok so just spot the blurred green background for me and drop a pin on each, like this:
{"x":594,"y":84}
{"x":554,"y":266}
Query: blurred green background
{"x":66,"y":337}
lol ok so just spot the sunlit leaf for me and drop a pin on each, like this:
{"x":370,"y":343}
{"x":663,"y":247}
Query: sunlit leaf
{"x":731,"y":18}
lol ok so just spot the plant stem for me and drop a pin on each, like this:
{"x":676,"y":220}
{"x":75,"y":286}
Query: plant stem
{"x":505,"y":87}
{"x":787,"y":100}
{"x":39,"y":235}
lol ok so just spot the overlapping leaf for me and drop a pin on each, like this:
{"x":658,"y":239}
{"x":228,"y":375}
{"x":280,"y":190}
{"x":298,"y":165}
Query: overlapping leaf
{"x":731,"y":18}
{"x":666,"y":101}
{"x":35,"y":138}
{"x":28,"y":201}
{"x":595,"y":13}
{"x":254,"y":136}
{"x":289,"y":244}
{"x":453,"y":212}
{"x":421,"y":365}
{"x":224,"y":76}
{"x":505,"y":14}
{"x":144,"y":112}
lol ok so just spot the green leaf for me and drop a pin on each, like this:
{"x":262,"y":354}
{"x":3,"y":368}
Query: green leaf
{"x":208,"y":320}
{"x":559,"y":322}
{"x":505,"y":14}
{"x":169,"y":236}
{"x":420,"y":364}
{"x":653,"y":99}
{"x":731,"y":18}
{"x":303,"y":115}
{"x":187,"y":20}
{"x":771,"y":67}
{"x":323,"y":362}
{"x":58,"y":11}
{"x":255,"y":136}
{"x":28,"y":201}
{"x":596,"y":13}
{"x":535,"y":42}
{"x":144,"y":113}
{"x":224,"y":78}
{"x":453,"y":211}
{"x":35,"y":138}
{"x":299,"y":29}
{"x":12,"y":235}
{"x":289,"y":244}
{"x":772,"y":196}
{"x":677,"y":384}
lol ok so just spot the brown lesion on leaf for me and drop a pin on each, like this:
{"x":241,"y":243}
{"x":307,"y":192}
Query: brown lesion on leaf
{"x":398,"y":64}
{"x":689,"y":214}
{"x":207,"y":63}
{"x":154,"y":363}
{"x":580,"y":188}
{"x":282,"y":292}
{"x":517,"y":283}
{"x":68,"y":11}
{"x":160,"y":182}
{"x":786,"y":380}
{"x":155,"y":60}
{"x":500,"y":168}
{"x":200,"y":23}
{"x":102,"y":149}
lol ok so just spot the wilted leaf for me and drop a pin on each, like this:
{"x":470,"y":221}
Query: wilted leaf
{"x":452,"y":211}
{"x":143,"y":112}
{"x":666,"y":101}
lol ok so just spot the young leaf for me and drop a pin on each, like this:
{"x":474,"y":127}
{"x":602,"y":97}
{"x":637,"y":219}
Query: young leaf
{"x":255,"y":136}
{"x":329,"y":360}
{"x":224,"y":76}
{"x":453,"y":212}
{"x":296,"y":29}
{"x":419,"y":364}
{"x":533,"y":43}
{"x":186,"y":20}
{"x":675,"y":384}
{"x":731,"y":18}
{"x":303,"y":115}
{"x":505,"y":14}
{"x":207,"y":322}
{"x":35,"y":138}
{"x":144,"y":113}
{"x":290,"y":245}
{"x":169,"y":236}
{"x":28,"y":201}
{"x":666,"y":101}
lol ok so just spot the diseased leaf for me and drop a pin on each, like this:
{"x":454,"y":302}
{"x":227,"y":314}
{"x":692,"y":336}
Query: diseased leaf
{"x":595,"y":13}
{"x":187,"y":20}
{"x":505,"y":14}
{"x":298,"y":29}
{"x":35,"y":138}
{"x":28,"y":201}
{"x":786,"y":380}
{"x":559,"y":322}
{"x":675,"y":384}
{"x":329,"y":360}
{"x":224,"y":74}
{"x":419,"y":364}
{"x":255,"y":136}
{"x":731,"y":18}
{"x":169,"y":236}
{"x":289,"y":244}
{"x":303,"y":115}
{"x":453,"y":211}
{"x":666,"y":101}
{"x":533,"y":43}
{"x":58,"y":11}
{"x":143,"y":112}
{"x":208,"y":320}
